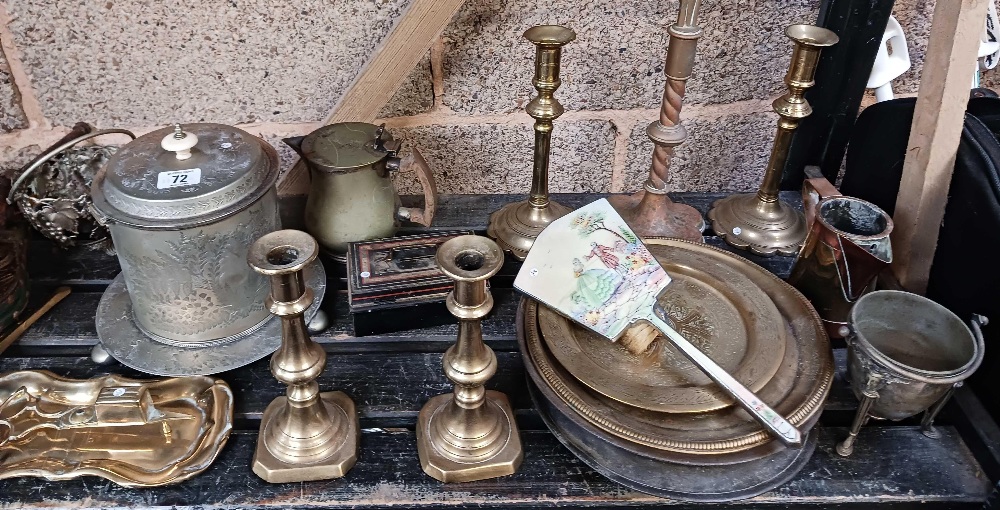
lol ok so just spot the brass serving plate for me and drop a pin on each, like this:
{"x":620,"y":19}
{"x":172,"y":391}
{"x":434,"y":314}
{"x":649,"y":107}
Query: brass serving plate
{"x":797,"y":390}
{"x":716,"y":306}
{"x":134,"y":433}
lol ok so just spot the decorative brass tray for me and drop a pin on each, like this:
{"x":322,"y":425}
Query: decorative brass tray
{"x":134,"y":433}
{"x":797,"y":390}
{"x":715,"y":306}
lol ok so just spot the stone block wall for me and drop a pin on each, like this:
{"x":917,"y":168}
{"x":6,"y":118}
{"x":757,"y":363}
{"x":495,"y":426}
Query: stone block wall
{"x":277,"y":68}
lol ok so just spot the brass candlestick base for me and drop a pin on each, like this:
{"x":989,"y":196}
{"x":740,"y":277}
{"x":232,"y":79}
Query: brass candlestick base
{"x":650,"y":212}
{"x":515,"y":226}
{"x":761,"y":222}
{"x":764,"y":228}
{"x":469,"y":434}
{"x":655,"y":215}
{"x":305,"y":435}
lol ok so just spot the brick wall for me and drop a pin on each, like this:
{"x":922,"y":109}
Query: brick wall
{"x":277,"y":68}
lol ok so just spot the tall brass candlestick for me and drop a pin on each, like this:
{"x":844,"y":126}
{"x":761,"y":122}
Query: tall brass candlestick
{"x":469,"y":434}
{"x":650,"y":212}
{"x":515,"y":226}
{"x":305,"y":435}
{"x":761,"y":222}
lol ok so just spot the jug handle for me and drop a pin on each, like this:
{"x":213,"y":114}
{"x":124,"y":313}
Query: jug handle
{"x":423,"y":216}
{"x":815,"y":188}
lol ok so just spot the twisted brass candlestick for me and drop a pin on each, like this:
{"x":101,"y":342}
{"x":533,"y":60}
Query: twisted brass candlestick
{"x":305,"y":435}
{"x":515,"y":226}
{"x":761,"y":222}
{"x":650,"y":212}
{"x":469,"y":434}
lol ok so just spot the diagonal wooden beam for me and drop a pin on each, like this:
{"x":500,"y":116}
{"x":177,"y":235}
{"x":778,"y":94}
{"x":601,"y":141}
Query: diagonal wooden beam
{"x":934,"y":138}
{"x":391,"y":62}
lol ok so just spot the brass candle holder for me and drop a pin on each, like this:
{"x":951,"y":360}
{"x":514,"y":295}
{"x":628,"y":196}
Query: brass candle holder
{"x":515,"y":226}
{"x":469,"y":434}
{"x":650,"y":212}
{"x":761,"y":222}
{"x":305,"y":435}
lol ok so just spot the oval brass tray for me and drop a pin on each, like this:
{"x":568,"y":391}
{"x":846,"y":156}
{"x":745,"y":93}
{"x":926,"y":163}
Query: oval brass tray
{"x":134,"y":433}
{"x":716,"y":306}
{"x":797,"y":390}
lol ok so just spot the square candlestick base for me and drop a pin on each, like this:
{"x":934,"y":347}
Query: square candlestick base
{"x":272,"y":470}
{"x":446,"y":468}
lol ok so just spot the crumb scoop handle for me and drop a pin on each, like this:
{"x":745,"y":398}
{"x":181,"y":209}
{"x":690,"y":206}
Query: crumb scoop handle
{"x":775,"y":424}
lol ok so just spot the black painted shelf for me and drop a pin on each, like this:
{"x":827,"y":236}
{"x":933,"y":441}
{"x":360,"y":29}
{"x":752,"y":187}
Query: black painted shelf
{"x":390,"y":376}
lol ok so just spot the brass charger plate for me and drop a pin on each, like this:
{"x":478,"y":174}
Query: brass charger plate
{"x":134,"y":433}
{"x":797,"y":391}
{"x":715,"y":305}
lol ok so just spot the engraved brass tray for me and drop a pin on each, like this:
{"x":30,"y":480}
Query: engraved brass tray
{"x":797,"y":389}
{"x":715,"y":306}
{"x":134,"y":433}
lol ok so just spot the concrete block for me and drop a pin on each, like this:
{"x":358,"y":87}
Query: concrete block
{"x":497,"y":158}
{"x":134,"y":63}
{"x":11,"y":115}
{"x":415,"y":94}
{"x":723,"y":153}
{"x":915,"y":17}
{"x":617,"y":60}
{"x":286,"y":156}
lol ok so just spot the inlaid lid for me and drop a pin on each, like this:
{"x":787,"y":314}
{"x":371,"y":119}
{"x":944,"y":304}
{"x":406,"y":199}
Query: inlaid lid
{"x":347,"y":146}
{"x":183,"y":176}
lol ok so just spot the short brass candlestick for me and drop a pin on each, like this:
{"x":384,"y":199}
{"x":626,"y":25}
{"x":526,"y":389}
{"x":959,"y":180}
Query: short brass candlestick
{"x":305,"y":435}
{"x":650,"y":212}
{"x":469,"y":434}
{"x":761,"y":222}
{"x":515,"y":226}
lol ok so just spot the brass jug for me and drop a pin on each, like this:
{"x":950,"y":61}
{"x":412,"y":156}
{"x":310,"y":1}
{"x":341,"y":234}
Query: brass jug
{"x":352,"y":197}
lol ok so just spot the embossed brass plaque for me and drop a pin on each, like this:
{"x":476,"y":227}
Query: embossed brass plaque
{"x":715,"y":306}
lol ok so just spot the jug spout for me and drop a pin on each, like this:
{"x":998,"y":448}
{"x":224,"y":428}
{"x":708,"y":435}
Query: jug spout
{"x":295,"y":142}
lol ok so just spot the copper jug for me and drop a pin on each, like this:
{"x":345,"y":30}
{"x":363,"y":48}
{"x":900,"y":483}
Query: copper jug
{"x":352,"y":197}
{"x":846,"y":248}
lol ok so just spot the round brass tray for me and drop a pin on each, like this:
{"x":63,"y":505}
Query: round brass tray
{"x":797,"y":390}
{"x":716,"y":306}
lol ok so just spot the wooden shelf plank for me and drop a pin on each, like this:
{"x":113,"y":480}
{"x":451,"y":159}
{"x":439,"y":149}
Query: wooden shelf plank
{"x":892,"y":467}
{"x":388,"y":388}
{"x":934,"y":136}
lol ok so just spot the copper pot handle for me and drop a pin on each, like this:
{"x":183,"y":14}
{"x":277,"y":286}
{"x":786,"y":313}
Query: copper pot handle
{"x":21,"y":179}
{"x":815,"y":187}
{"x":423,"y":216}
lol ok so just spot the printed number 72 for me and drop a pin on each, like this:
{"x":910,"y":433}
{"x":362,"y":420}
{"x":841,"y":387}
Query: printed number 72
{"x":180,"y":178}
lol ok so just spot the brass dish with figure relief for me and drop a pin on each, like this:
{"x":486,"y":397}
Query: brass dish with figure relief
{"x":715,"y":305}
